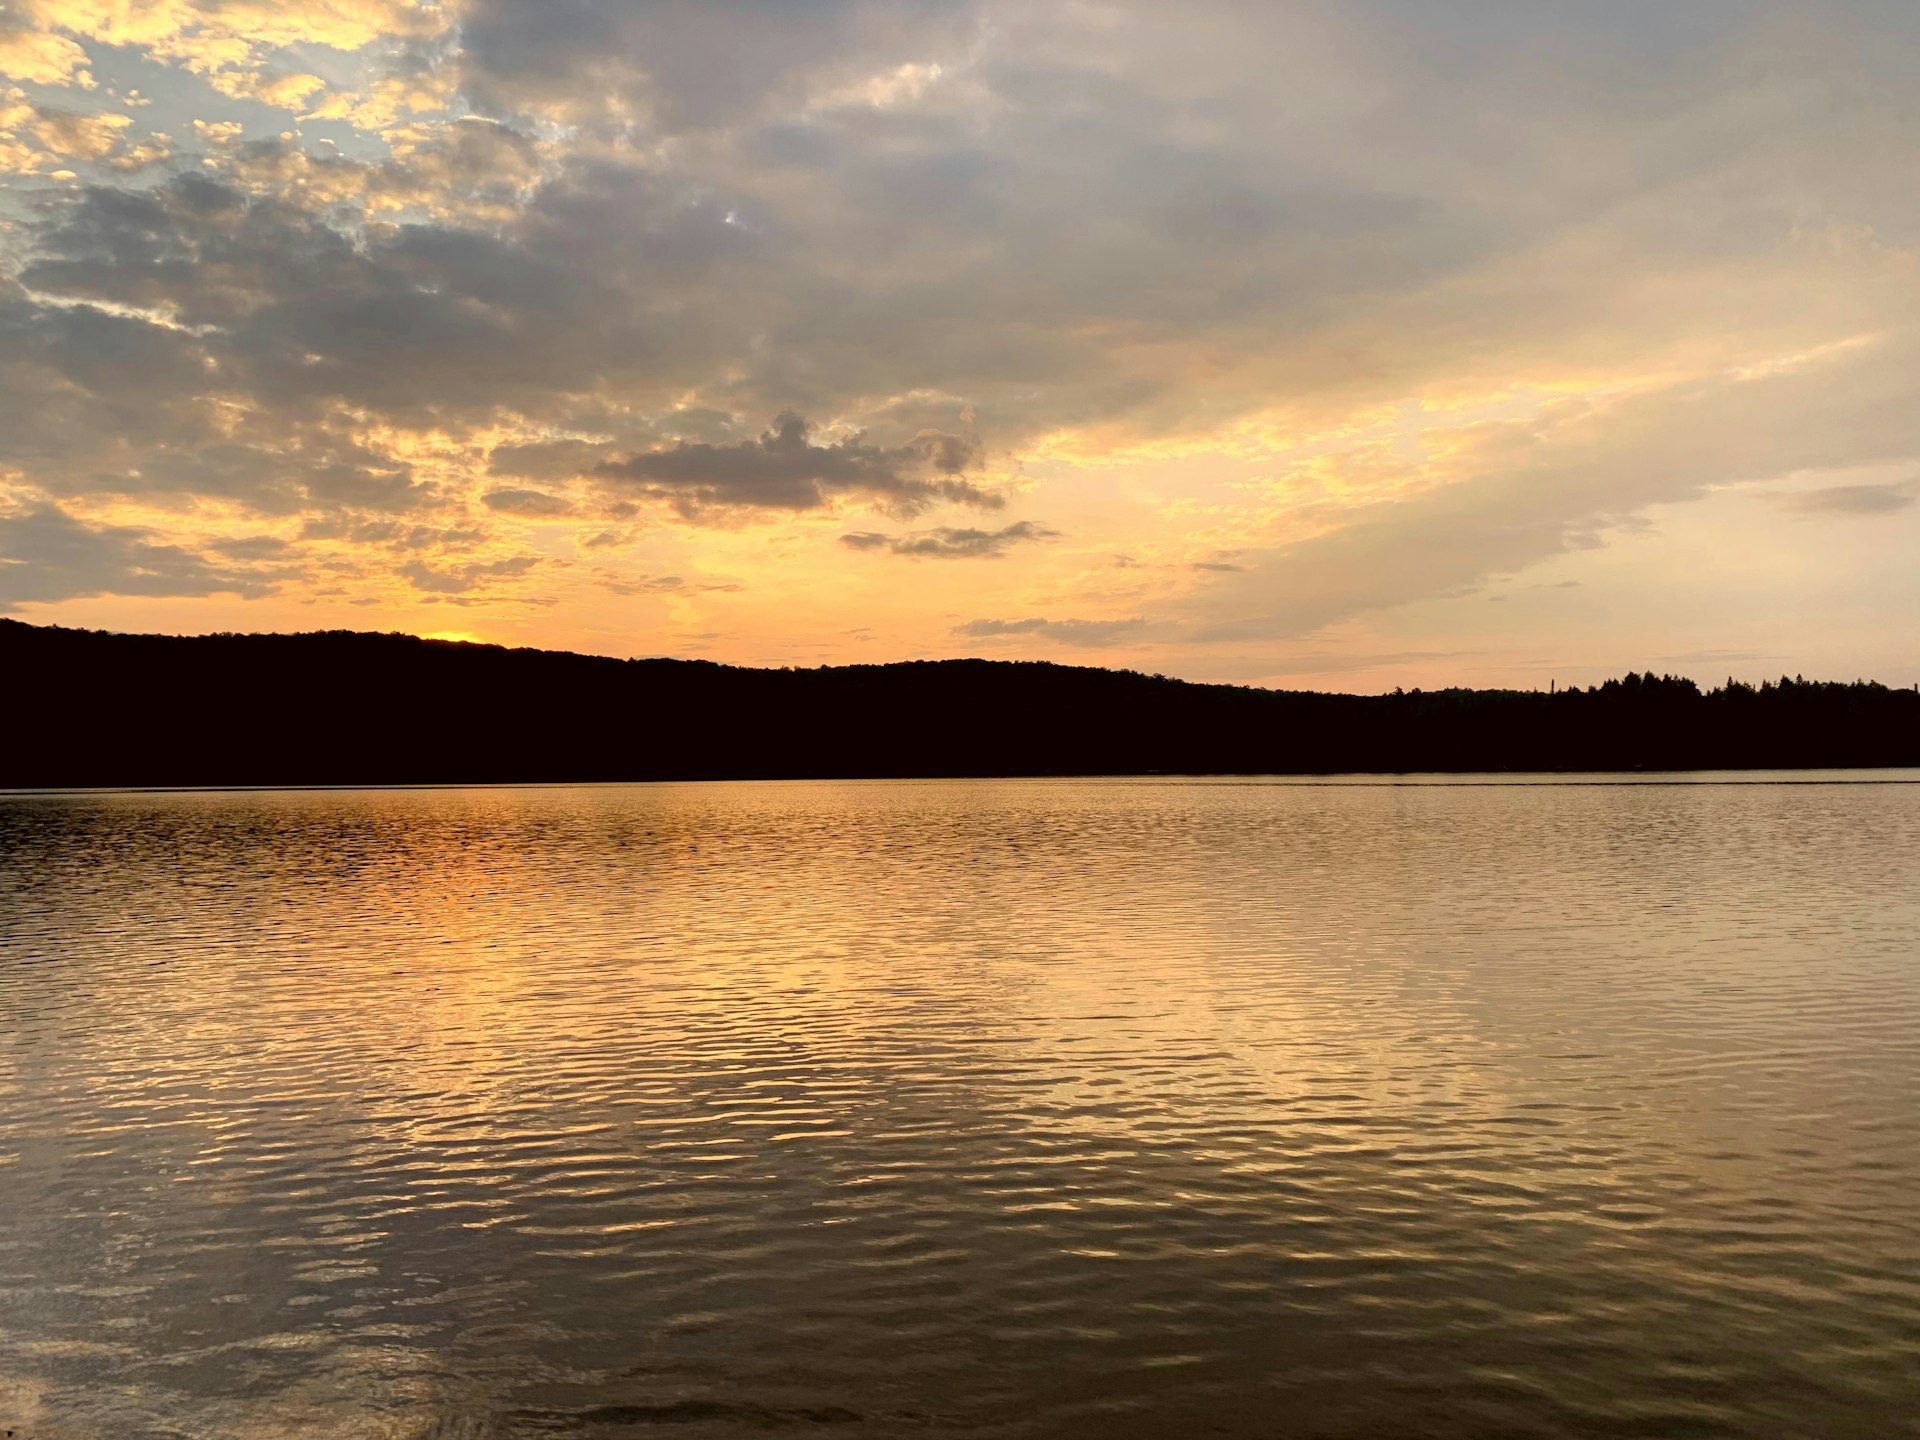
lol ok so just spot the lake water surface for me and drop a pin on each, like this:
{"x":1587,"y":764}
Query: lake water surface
{"x":963,"y":1108}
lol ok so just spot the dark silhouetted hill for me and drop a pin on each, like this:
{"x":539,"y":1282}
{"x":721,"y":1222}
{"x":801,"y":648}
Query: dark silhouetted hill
{"x":91,"y":708}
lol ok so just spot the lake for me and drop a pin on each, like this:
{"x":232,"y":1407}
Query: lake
{"x":1585,"y":1106}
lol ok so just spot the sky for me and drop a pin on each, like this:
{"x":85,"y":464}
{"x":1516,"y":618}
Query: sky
{"x":1317,"y":345}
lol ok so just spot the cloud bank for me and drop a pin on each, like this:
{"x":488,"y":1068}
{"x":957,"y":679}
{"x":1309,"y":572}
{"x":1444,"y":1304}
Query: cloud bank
{"x":950,"y":543}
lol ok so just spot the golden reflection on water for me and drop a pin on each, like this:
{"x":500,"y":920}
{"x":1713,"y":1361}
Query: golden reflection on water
{"x":989,"y":1108}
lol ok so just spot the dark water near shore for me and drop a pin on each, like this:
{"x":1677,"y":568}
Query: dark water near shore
{"x":1025,"y":1109}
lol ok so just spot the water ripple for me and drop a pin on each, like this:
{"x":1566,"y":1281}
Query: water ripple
{"x":996,"y":1109}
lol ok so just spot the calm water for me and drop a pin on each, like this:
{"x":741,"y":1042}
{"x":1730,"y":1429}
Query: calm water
{"x":1111,"y":1108}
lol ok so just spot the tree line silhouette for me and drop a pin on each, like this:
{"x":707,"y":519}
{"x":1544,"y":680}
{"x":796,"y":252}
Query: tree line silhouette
{"x":86,"y":708}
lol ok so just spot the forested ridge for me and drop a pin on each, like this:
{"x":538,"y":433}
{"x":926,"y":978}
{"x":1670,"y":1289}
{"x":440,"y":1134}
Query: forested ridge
{"x":340,"y":707}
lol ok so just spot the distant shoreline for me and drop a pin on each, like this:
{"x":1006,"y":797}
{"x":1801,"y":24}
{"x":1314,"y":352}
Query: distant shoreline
{"x":92,"y":710}
{"x":1358,"y":780}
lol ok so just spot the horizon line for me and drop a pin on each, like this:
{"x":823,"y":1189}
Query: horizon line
{"x":478,"y":643}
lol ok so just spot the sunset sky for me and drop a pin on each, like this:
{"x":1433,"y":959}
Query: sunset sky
{"x":1333,"y":345}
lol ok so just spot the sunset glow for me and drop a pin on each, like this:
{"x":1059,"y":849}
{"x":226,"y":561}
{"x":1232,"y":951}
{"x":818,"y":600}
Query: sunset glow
{"x":1346,"y":347}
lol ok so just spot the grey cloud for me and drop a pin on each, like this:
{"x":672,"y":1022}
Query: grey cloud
{"x":94,"y":402}
{"x":533,"y":504}
{"x":390,"y":534}
{"x":426,"y":323}
{"x":1066,"y":632}
{"x":948,"y":454}
{"x":634,"y":277}
{"x":47,"y":554}
{"x":311,"y":470}
{"x":1142,"y":193}
{"x":336,"y":484}
{"x":644,"y":584}
{"x":1146,"y":235}
{"x":250,"y":547}
{"x":949,"y":543}
{"x":547,"y":459}
{"x":84,"y":392}
{"x":1853,"y":499}
{"x":460,"y":579}
{"x":785,"y":470}
{"x":474,"y":159}
{"x":694,"y":66}
{"x":471,"y":166}
{"x":666,"y":585}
